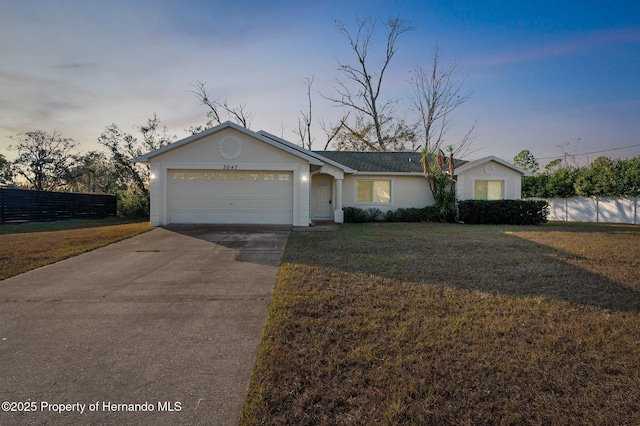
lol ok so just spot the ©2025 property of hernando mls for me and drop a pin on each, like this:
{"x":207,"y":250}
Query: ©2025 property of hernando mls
{"x":231,"y":175}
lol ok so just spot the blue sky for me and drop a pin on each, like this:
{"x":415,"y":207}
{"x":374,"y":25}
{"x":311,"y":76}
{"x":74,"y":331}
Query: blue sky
{"x":546,"y":76}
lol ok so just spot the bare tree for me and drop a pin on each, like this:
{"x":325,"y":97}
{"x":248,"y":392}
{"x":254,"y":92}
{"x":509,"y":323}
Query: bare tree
{"x":361,"y":90}
{"x":333,"y":131}
{"x":437,"y":94}
{"x":304,"y":122}
{"x":44,"y":160}
{"x":239,"y":113}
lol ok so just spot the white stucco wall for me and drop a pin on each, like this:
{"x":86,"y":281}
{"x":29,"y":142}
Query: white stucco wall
{"x":490,"y":170}
{"x":204,"y":153}
{"x":406,"y":191}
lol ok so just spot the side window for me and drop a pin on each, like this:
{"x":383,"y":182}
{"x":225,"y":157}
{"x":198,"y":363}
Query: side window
{"x":373,"y":191}
{"x":489,"y":190}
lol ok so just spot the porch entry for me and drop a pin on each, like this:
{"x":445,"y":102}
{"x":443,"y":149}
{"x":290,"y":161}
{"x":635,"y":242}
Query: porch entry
{"x":321,"y":194}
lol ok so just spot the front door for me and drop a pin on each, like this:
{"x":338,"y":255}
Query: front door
{"x":321,"y":198}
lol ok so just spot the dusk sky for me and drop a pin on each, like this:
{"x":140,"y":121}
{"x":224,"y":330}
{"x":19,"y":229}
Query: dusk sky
{"x":546,"y":76}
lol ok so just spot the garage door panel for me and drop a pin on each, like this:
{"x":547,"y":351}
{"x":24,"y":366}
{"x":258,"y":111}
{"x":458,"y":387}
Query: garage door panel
{"x":263,"y":197}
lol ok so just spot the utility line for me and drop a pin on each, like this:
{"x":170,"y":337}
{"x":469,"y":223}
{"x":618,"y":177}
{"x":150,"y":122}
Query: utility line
{"x":589,"y":153}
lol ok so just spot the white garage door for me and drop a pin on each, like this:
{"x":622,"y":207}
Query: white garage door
{"x":230,"y":196}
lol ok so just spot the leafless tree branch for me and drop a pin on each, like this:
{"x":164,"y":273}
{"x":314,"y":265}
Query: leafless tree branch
{"x":304,"y":122}
{"x":437,"y":95}
{"x":364,"y":97}
{"x":239,"y":113}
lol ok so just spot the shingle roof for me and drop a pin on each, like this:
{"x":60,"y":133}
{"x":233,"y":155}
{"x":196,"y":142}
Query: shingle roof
{"x":385,"y":162}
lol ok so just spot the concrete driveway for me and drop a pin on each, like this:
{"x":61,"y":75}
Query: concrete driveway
{"x":162,"y":328}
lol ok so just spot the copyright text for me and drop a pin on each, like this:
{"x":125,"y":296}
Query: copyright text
{"x":98,"y":406}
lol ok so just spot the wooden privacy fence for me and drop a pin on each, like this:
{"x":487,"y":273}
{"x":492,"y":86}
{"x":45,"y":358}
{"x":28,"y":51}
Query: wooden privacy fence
{"x":19,"y":205}
{"x":595,"y":209}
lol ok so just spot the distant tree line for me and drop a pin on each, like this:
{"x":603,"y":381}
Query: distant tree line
{"x":49,"y":162}
{"x":604,"y":177}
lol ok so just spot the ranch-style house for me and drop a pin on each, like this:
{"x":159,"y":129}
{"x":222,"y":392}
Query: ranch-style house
{"x":231,"y":175}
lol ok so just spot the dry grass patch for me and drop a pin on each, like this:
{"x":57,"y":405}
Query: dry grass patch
{"x":31,"y":246}
{"x":444,"y":324}
{"x":612,"y":251}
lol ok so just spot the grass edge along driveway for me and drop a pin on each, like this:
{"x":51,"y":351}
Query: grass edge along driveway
{"x":29,"y":246}
{"x":450,"y":324}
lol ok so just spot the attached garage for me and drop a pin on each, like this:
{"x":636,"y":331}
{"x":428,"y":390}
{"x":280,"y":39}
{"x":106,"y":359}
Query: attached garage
{"x":230,"y":175}
{"x":230,"y":196}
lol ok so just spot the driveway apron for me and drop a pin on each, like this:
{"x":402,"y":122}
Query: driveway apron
{"x":162,"y":328}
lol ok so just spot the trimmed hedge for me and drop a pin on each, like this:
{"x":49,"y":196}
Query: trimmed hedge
{"x":503,"y":212}
{"x":425,"y":214}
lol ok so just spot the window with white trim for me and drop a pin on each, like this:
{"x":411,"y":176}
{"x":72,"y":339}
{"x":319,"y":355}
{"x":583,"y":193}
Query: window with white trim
{"x":489,"y":190}
{"x":373,"y":191}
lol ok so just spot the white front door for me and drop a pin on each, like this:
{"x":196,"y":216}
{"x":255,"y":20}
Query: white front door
{"x":321,"y":198}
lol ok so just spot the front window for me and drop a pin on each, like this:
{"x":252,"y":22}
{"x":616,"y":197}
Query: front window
{"x":373,"y":191}
{"x":489,"y":190}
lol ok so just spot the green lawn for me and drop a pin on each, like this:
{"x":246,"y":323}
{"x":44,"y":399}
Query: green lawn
{"x":452,"y":324}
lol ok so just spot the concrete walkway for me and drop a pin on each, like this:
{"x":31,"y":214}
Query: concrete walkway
{"x":162,"y":328}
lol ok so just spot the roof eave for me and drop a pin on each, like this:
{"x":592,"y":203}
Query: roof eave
{"x":364,"y":172}
{"x":145,"y":158}
{"x":300,"y":149}
{"x":475,"y":163}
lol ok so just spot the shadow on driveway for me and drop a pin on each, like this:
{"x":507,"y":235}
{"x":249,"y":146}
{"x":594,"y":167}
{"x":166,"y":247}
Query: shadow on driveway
{"x":262,"y":244}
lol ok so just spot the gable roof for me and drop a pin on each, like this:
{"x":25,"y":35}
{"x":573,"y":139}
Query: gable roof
{"x":315,"y":154}
{"x":475,"y":163}
{"x":228,"y":124}
{"x":348,"y":161}
{"x":380,"y":162}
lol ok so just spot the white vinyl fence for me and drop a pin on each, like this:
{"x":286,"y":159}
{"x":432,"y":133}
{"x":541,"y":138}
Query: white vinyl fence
{"x":595,"y":209}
